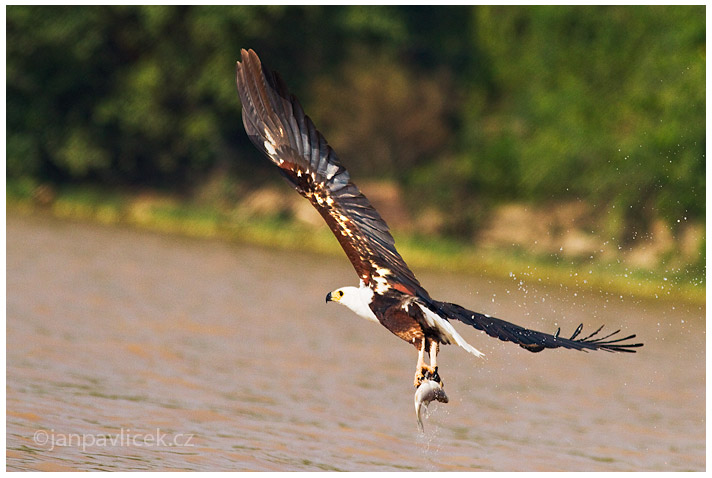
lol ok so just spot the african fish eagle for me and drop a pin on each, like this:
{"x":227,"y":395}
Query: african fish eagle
{"x":388,"y":292}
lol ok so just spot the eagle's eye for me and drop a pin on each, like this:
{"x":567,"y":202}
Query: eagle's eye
{"x":339,"y":293}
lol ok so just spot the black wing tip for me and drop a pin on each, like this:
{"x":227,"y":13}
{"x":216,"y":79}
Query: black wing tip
{"x":592,"y":341}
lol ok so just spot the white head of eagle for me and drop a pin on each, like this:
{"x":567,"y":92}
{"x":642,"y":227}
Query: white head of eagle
{"x":358,"y":299}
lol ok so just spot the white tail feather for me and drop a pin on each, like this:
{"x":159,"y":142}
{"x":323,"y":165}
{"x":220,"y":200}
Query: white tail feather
{"x":446,"y":328}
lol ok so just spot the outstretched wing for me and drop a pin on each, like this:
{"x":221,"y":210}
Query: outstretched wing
{"x":531,"y":339}
{"x":276,"y":124}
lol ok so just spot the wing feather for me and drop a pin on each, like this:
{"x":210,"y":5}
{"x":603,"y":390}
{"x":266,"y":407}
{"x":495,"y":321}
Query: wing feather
{"x":275,"y":122}
{"x":533,"y":340}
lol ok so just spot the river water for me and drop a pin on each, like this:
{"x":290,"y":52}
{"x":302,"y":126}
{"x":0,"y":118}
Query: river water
{"x":128,"y":350}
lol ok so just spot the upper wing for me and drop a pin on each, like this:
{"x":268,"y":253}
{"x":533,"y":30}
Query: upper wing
{"x":276,"y":124}
{"x":531,"y":339}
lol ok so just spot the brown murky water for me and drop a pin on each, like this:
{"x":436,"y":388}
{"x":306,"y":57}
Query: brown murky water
{"x":128,"y":350}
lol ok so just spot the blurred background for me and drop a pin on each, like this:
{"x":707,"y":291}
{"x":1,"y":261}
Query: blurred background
{"x":573,"y":135}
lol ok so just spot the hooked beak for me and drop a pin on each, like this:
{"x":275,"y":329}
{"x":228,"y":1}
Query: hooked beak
{"x":328,"y":297}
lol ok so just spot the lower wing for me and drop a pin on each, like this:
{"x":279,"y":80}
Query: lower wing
{"x":533,"y":340}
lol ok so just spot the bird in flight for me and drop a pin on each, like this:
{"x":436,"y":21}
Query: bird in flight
{"x":388,"y":292}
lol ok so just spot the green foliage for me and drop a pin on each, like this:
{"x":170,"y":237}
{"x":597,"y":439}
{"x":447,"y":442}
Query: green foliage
{"x":604,"y":103}
{"x":467,"y":106}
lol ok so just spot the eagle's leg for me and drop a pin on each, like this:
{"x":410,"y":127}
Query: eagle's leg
{"x":420,"y":368}
{"x":433,"y":372}
{"x":434,"y":347}
{"x":424,"y":371}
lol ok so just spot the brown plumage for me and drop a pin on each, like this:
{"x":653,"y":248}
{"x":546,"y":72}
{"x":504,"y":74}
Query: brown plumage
{"x":276,"y":124}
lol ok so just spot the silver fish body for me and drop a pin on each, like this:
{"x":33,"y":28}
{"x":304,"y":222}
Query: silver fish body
{"x":428,"y":391}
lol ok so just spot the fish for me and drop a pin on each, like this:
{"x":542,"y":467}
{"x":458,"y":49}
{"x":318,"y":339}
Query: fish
{"x":428,"y":391}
